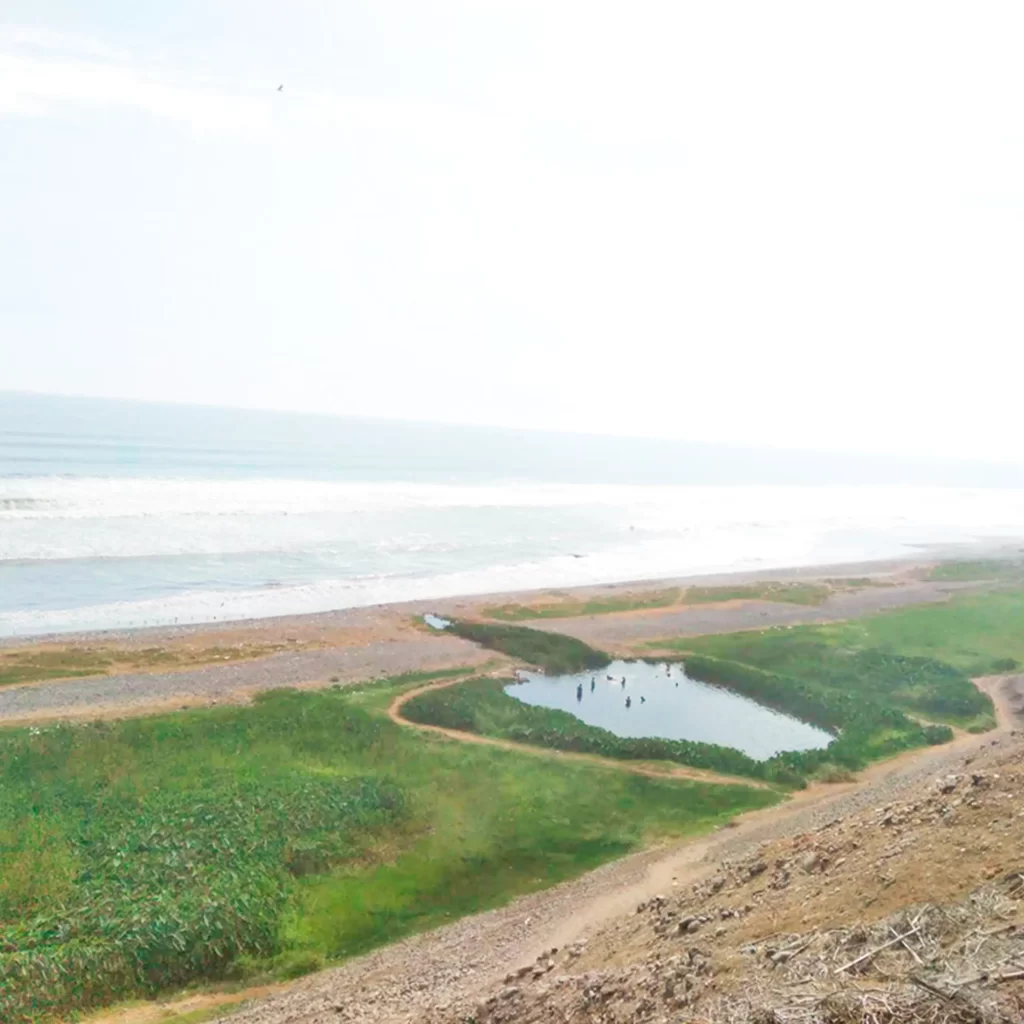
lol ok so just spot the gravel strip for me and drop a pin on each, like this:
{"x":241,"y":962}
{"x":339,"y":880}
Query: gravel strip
{"x":696,"y":620}
{"x":377,"y":659}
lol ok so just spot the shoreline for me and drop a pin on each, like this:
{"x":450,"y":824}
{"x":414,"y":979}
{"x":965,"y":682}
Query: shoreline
{"x":113,"y":674}
{"x":371,"y":616}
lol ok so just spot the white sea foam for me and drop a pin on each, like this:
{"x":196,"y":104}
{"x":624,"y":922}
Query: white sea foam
{"x":305,"y":546}
{"x":55,"y":518}
{"x":164,"y":513}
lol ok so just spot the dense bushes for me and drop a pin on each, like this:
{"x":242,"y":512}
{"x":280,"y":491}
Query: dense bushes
{"x":122,"y":876}
{"x":786,"y":695}
{"x":867,"y":726}
{"x":831,"y":681}
{"x":864,"y":728}
{"x":554,"y":653}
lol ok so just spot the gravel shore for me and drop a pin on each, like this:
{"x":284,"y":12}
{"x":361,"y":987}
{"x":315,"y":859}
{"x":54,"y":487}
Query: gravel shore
{"x":98,"y":695}
{"x":701,"y":619}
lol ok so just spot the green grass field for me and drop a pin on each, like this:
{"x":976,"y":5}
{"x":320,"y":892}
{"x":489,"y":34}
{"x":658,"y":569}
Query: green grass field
{"x":554,"y":653}
{"x":790,"y":593}
{"x":145,"y":855}
{"x":917,"y":659}
{"x":1003,"y":569}
{"x":568,"y":607}
{"x":29,"y":665}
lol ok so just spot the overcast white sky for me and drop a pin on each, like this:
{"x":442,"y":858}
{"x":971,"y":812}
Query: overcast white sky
{"x":766,"y":222}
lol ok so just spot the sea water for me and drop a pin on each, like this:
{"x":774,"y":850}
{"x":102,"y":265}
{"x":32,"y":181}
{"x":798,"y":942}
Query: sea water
{"x":118,"y":514}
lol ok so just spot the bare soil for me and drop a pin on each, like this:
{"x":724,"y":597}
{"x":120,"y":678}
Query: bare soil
{"x":233,"y":682}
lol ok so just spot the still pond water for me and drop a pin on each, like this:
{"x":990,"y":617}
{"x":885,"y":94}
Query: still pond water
{"x":665,"y":703}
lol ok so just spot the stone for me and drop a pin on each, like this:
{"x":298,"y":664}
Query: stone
{"x":811,"y":862}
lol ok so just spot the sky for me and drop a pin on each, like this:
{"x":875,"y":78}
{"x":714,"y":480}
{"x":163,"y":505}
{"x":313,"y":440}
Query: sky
{"x":789,"y":223}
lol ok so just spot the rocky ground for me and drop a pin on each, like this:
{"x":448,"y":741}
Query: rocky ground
{"x":99,"y":696}
{"x":913,"y":910}
{"x":751,"y":922}
{"x":363,"y":643}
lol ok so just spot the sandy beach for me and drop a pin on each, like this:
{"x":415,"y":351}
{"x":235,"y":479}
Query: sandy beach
{"x":166,"y":668}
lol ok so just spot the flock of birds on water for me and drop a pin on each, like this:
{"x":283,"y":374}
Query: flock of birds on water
{"x":622,"y":683}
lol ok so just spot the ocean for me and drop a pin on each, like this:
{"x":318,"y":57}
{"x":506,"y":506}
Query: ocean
{"x":119,"y":514}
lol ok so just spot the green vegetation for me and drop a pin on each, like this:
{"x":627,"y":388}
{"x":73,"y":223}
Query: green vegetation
{"x":869,"y":726}
{"x":29,"y":665}
{"x":568,"y":607}
{"x":974,"y":632}
{"x":881,"y":684}
{"x":147,"y":854}
{"x":554,"y":653}
{"x":482,"y":706}
{"x":980,"y":569}
{"x":798,"y":672}
{"x":791,"y":593}
{"x":917,"y":659}
{"x":912,"y":661}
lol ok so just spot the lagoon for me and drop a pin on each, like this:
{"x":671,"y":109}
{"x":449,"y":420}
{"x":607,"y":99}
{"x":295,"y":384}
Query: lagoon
{"x":666,"y":703}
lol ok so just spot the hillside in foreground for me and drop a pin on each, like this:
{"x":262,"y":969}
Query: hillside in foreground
{"x":896,"y":899}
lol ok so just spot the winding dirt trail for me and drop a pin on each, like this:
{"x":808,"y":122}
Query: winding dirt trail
{"x":651,"y":771}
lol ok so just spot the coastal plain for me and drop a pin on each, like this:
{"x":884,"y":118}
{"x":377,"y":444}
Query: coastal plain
{"x":356,"y":823}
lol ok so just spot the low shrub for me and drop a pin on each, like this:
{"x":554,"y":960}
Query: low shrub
{"x":554,"y":653}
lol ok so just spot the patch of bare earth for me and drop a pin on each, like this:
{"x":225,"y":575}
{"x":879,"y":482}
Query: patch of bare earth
{"x":235,"y":681}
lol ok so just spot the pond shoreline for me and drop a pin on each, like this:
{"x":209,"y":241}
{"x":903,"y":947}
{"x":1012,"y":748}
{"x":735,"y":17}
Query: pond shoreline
{"x":642,"y":699}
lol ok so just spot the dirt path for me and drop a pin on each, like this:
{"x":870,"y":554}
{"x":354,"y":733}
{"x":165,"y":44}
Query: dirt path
{"x":668,"y":772}
{"x":451,"y":967}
